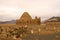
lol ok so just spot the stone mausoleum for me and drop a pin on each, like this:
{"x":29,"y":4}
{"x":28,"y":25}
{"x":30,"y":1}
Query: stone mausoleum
{"x":26,"y":19}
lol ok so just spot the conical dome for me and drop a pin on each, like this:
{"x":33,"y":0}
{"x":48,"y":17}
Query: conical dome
{"x":25,"y":16}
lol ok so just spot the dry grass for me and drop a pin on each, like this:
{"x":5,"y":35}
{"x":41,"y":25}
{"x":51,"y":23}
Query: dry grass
{"x":44,"y":29}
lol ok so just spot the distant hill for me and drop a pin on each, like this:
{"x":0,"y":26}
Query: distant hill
{"x":8,"y":22}
{"x":53,"y":19}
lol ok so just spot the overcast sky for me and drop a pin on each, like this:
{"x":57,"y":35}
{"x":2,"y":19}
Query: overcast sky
{"x":13,"y":9}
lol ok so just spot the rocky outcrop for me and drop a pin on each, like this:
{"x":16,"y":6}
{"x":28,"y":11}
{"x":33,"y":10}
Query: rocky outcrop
{"x":26,"y":19}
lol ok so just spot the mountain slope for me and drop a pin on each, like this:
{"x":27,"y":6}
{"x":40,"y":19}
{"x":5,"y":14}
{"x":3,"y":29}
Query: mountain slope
{"x":8,"y":22}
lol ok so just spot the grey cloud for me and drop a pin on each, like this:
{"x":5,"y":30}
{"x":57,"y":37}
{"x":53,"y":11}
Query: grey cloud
{"x":40,"y":8}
